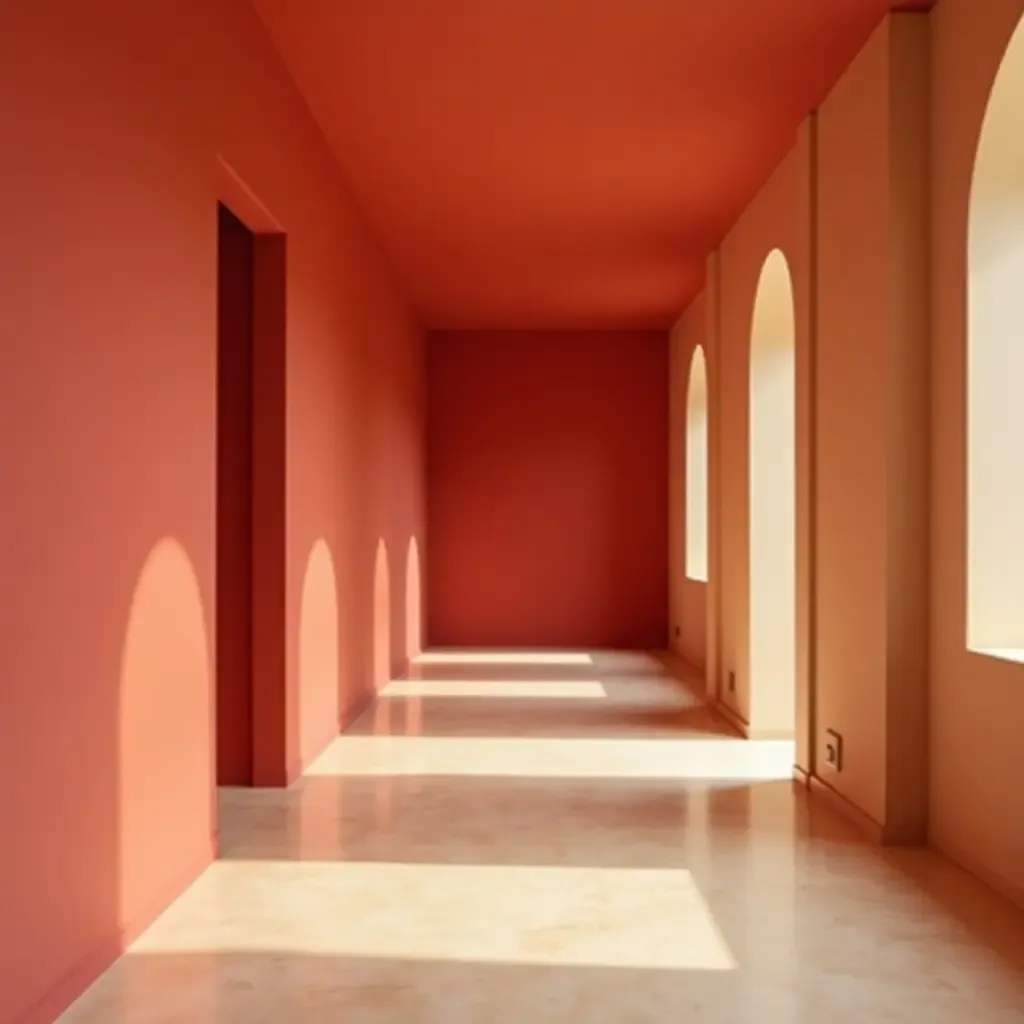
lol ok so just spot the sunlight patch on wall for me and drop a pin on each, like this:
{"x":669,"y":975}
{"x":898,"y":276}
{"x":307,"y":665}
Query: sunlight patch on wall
{"x":772,"y":497}
{"x":381,"y":653}
{"x":995,"y":370}
{"x":697,"y":469}
{"x":166,"y":726}
{"x":318,"y":650}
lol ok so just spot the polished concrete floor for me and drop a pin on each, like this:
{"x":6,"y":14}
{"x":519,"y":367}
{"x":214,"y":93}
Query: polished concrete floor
{"x":560,"y":838}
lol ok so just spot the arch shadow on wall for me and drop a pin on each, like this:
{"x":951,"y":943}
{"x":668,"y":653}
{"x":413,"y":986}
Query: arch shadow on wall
{"x":413,"y":633}
{"x":413,"y":602}
{"x":995,"y":370}
{"x":772,"y":670}
{"x":697,"y":468}
{"x":381,"y":674}
{"x":381,"y":658}
{"x":166,"y":732}
{"x":318,"y":675}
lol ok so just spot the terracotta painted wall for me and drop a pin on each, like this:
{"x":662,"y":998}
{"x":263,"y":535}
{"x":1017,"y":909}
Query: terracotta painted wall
{"x":977,"y":702}
{"x":117,"y":114}
{"x":687,"y":620}
{"x":547,"y":491}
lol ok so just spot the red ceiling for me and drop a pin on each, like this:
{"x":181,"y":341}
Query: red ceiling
{"x":560,"y":163}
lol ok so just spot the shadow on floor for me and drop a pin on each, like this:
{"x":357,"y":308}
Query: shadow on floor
{"x":791,"y":985}
{"x":302,"y":988}
{"x":524,"y":717}
{"x":523,"y":665}
{"x":648,"y":823}
{"x":505,"y":852}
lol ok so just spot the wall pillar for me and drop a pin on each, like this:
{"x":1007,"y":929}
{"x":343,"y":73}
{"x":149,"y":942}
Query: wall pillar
{"x":872,"y":438}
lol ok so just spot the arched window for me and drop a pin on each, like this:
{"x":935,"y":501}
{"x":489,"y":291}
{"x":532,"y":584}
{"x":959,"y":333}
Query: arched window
{"x":697,"y":469}
{"x":995,"y":371}
{"x":772,"y":481}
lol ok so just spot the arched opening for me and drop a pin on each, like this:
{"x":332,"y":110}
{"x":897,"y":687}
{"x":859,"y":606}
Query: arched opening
{"x":995,"y":370}
{"x":697,"y":469}
{"x":772,"y":455}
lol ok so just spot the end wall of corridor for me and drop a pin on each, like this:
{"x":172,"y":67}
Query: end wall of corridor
{"x":546,"y":489}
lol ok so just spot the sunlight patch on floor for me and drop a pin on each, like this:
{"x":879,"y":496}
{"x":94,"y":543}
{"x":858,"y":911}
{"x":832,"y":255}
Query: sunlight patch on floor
{"x":527,"y":689}
{"x":1002,"y":653}
{"x":710,"y":758}
{"x":607,"y":917}
{"x":460,"y":657}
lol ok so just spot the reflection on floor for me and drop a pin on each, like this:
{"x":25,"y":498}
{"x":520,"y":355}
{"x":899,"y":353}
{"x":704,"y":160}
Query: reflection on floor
{"x":560,"y":840}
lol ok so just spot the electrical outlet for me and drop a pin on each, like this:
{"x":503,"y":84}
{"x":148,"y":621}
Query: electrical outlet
{"x":832,"y":755}
{"x":732,"y":682}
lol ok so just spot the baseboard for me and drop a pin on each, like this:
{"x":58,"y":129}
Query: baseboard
{"x":910,"y":836}
{"x":675,"y":660}
{"x":731,"y":718}
{"x":166,"y":895}
{"x":346,"y":718}
{"x":877,"y":833}
{"x":997,"y":883}
{"x":821,"y":789}
{"x":355,"y":710}
{"x":682,"y":671}
{"x":107,"y":952}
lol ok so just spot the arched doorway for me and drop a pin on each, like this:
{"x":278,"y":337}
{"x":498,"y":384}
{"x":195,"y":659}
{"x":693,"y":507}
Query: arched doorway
{"x":697,"y":469}
{"x":995,"y":370}
{"x":772,"y":503}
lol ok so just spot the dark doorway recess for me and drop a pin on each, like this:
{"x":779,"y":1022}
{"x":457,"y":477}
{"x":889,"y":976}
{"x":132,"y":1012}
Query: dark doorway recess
{"x":234,"y":615}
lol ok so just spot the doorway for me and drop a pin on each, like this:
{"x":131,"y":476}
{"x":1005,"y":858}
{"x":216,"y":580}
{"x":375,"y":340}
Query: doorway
{"x":234,"y":536}
{"x":772,"y":454}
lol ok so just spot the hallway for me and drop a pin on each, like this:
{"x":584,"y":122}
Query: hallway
{"x":560,"y":837}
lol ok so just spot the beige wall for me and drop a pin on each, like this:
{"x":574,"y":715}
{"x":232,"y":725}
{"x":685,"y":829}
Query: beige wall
{"x":687,"y":626}
{"x":871,"y":395}
{"x":869,"y":208}
{"x":829,"y":208}
{"x":977,"y":702}
{"x":842,"y":209}
{"x":779,"y":218}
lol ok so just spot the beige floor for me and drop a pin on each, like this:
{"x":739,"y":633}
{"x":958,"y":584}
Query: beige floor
{"x":516,"y":842}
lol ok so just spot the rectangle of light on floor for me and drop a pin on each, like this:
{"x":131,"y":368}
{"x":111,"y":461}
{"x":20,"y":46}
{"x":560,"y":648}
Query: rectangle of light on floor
{"x":460,"y":657}
{"x":597,"y":917}
{"x":533,"y":757}
{"x":505,"y":689}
